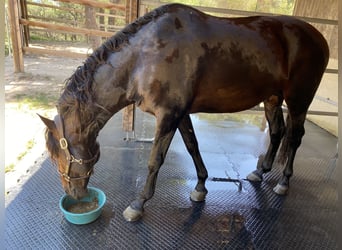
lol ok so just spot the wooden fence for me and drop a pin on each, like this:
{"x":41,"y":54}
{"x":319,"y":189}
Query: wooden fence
{"x":21,"y":23}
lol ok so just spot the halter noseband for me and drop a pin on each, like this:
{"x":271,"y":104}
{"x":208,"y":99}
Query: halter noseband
{"x":63,"y":143}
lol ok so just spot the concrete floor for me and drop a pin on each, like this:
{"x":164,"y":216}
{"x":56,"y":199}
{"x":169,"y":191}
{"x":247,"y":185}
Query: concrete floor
{"x":249,"y":217}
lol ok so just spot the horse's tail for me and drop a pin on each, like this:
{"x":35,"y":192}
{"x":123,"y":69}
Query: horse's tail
{"x":313,"y":50}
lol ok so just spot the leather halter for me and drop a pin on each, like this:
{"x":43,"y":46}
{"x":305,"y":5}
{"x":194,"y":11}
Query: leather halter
{"x":63,"y":143}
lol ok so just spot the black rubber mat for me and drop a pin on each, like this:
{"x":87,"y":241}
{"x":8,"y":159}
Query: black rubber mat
{"x":232,"y":217}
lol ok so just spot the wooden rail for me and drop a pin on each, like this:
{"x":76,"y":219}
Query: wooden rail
{"x":77,"y":30}
{"x":55,"y":7}
{"x":241,"y":12}
{"x":54,"y":52}
{"x":310,"y":112}
{"x":96,"y":4}
{"x":21,"y":22}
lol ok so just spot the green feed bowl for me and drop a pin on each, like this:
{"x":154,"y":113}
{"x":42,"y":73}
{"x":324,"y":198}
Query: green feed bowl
{"x":86,"y":217}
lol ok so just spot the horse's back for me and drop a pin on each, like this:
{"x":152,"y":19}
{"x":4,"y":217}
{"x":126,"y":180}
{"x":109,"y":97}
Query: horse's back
{"x":230,"y":64}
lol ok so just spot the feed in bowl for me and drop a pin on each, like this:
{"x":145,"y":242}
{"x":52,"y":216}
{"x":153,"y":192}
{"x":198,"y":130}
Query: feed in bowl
{"x":85,"y":210}
{"x":83,"y":206}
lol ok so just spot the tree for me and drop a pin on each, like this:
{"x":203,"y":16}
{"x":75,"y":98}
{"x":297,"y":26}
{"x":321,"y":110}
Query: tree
{"x":90,"y":23}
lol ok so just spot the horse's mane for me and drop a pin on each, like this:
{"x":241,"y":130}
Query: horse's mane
{"x":77,"y":93}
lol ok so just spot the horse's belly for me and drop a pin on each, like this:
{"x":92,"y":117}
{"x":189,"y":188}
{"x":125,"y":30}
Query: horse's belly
{"x":223,"y":101}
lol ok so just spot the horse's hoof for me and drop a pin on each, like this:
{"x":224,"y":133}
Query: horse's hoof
{"x":254,"y":176}
{"x":280,"y":189}
{"x":197,"y":196}
{"x":131,"y":214}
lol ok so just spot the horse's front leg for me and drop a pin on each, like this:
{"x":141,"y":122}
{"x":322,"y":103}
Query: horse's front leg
{"x":188,"y":134}
{"x":164,"y":134}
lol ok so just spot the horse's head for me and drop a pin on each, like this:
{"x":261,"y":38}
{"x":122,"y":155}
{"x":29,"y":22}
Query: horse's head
{"x":75,"y":156}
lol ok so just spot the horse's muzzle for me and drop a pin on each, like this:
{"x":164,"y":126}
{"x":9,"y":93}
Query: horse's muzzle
{"x":77,"y":193}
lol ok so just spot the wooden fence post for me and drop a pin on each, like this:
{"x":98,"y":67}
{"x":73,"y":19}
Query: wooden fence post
{"x":16,"y":36}
{"x":129,"y":112}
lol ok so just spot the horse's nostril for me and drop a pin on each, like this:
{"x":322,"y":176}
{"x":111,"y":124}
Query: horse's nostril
{"x":77,"y":193}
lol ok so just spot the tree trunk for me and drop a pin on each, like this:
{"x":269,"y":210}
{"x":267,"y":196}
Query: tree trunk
{"x":90,"y":23}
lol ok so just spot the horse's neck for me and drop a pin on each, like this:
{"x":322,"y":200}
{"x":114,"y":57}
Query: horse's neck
{"x":111,"y":81}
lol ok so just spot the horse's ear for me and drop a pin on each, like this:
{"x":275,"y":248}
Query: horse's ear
{"x":50,"y":124}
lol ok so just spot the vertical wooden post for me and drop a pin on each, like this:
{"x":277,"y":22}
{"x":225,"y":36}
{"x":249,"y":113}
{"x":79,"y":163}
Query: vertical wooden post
{"x":90,"y":23}
{"x":17,"y":49}
{"x":26,"y":31}
{"x":129,"y":112}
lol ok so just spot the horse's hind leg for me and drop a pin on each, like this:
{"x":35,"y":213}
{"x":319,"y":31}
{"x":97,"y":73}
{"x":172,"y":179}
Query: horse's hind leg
{"x":188,"y":134}
{"x":275,"y":119}
{"x":292,"y":140}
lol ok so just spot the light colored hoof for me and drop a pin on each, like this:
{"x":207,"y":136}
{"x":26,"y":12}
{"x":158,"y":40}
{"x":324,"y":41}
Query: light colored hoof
{"x":280,"y":189}
{"x":197,"y":196}
{"x":131,"y":214}
{"x":254,"y":177}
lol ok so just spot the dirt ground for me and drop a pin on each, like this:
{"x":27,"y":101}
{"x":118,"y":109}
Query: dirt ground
{"x":26,"y":94}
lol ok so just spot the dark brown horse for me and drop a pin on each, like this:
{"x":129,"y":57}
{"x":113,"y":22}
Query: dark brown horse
{"x":175,"y":61}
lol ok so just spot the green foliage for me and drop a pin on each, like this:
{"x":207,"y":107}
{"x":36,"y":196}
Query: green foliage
{"x":73,"y":17}
{"x":67,"y":14}
{"x":9,"y":168}
{"x":35,"y":101}
{"x":29,"y":145}
{"x":75,"y":14}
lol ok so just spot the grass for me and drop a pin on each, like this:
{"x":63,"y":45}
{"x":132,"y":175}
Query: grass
{"x":29,"y":145}
{"x":9,"y":167}
{"x":37,"y":101}
{"x":30,"y":103}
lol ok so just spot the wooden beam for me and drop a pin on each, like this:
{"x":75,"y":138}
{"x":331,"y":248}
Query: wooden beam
{"x":128,"y":115}
{"x":25,"y":30}
{"x":221,"y":11}
{"x":55,"y":52}
{"x":96,"y":4}
{"x":13,"y":14}
{"x":41,"y":5}
{"x":77,"y":30}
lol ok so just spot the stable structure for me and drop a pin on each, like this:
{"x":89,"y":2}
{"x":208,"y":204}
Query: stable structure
{"x":21,"y":23}
{"x":237,"y":214}
{"x":323,"y":111}
{"x":326,"y":98}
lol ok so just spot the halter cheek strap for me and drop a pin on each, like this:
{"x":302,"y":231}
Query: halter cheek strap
{"x":63,"y":143}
